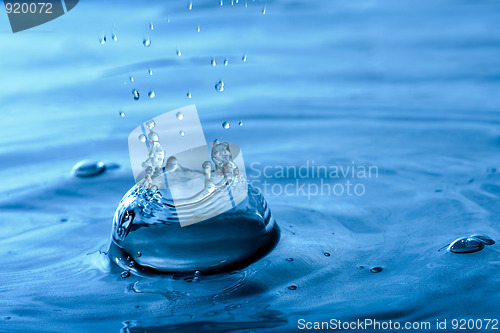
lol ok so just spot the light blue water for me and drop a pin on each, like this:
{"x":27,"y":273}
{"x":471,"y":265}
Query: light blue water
{"x":408,"y":86}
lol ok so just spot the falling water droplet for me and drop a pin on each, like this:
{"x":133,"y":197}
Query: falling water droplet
{"x":219,"y":86}
{"x":131,"y":78}
{"x":146,"y":42}
{"x":264,"y":11}
{"x":121,"y":113}
{"x":225,"y":62}
{"x":466,"y":245}
{"x":181,"y":133}
{"x":178,"y":52}
{"x":212,"y":62}
{"x":150,"y":71}
{"x":142,"y":138}
{"x":188,"y":94}
{"x":114,"y":37}
{"x":102,"y":40}
{"x":222,"y":3}
{"x":289,"y":259}
{"x":190,"y":5}
{"x":125,"y":274}
{"x":376,"y":269}
{"x":135,"y":93}
{"x":198,"y":28}
{"x":292,"y":287}
{"x":179,"y":115}
{"x":240,"y":123}
{"x":484,"y":238}
{"x":151,"y":94}
{"x":88,"y":168}
{"x":225,"y":125}
{"x":151,"y":26}
{"x":244,"y":58}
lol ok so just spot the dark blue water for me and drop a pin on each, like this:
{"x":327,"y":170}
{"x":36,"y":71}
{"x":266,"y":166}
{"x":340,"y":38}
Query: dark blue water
{"x":410,"y":87}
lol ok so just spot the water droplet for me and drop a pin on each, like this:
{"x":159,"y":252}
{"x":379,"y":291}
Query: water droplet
{"x":240,"y":123}
{"x":327,"y":254}
{"x":131,"y":78}
{"x":190,"y":5}
{"x":151,"y":94}
{"x":244,"y":58}
{"x":150,"y":124}
{"x":289,"y":259}
{"x":361,"y":267}
{"x":142,"y":138}
{"x":376,"y":269}
{"x":212,"y":62}
{"x":178,"y":52}
{"x":196,"y":273}
{"x":225,"y":62}
{"x":151,"y":26}
{"x":484,"y":238}
{"x":146,"y":42}
{"x":198,"y":28}
{"x":292,"y":287}
{"x":135,"y":93}
{"x":466,"y":245}
{"x":121,"y":113}
{"x":179,"y":115}
{"x":219,"y":86}
{"x":125,"y":274}
{"x":181,"y":133}
{"x":88,"y":168}
{"x":114,"y":37}
{"x":102,"y":40}
{"x":153,"y":137}
{"x":188,"y":94}
{"x":264,"y":11}
{"x":222,"y":2}
{"x":150,"y":71}
{"x":225,"y":125}
{"x":139,"y":254}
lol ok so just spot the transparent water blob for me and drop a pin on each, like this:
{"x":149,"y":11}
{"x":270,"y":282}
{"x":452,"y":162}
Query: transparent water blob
{"x":121,"y":114}
{"x":88,"y":168}
{"x":188,"y":94}
{"x":102,"y":39}
{"x":466,"y":245}
{"x":178,"y":52}
{"x":188,"y":225}
{"x":225,"y":62}
{"x":225,"y":125}
{"x":151,"y":94}
{"x":146,"y":42}
{"x":485,"y":239}
{"x":219,"y":86}
{"x":135,"y":93}
{"x":212,"y":62}
{"x":181,"y":133}
{"x":240,"y":123}
{"x":179,"y":115}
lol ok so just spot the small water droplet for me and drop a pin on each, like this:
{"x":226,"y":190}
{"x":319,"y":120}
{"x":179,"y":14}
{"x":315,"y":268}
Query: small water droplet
{"x":327,"y":254}
{"x":361,"y":267}
{"x":102,"y":39}
{"x":225,"y":125}
{"x":151,"y":26}
{"x":179,"y":115}
{"x":466,"y":245}
{"x":135,"y":93}
{"x":292,"y":287}
{"x":88,"y":168}
{"x":484,"y":238}
{"x":150,"y":71}
{"x":142,"y":138}
{"x":146,"y":42}
{"x":139,"y":254}
{"x":151,"y":94}
{"x":225,"y":62}
{"x":190,"y":5}
{"x":244,"y":58}
{"x":150,"y":124}
{"x":125,"y":274}
{"x":131,"y":78}
{"x":219,"y":86}
{"x":240,"y":123}
{"x":212,"y":62}
{"x":376,"y":269}
{"x":264,"y":11}
{"x":114,"y":37}
{"x":178,"y":52}
{"x":153,"y":137}
{"x":121,"y":113}
{"x":188,"y":94}
{"x":198,"y":28}
{"x":221,"y":3}
{"x":181,"y":133}
{"x":289,"y":259}
{"x":196,"y":273}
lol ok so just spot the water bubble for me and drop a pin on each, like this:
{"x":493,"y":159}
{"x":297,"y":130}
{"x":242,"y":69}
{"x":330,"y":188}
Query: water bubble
{"x":289,"y":259}
{"x":178,"y":52}
{"x":102,"y":40}
{"x":150,"y":71}
{"x":181,"y":133}
{"x":225,"y":62}
{"x":244,"y":58}
{"x":121,"y":113}
{"x":125,"y":274}
{"x":188,"y":94}
{"x":146,"y":42}
{"x":114,"y":37}
{"x":292,"y":287}
{"x":88,"y":168}
{"x":151,"y":94}
{"x":264,"y":11}
{"x":153,"y":137}
{"x":190,"y":5}
{"x":225,"y":125}
{"x":466,"y":245}
{"x":131,"y":78}
{"x":376,"y":269}
{"x":151,"y":26}
{"x":179,"y":115}
{"x":219,"y":86}
{"x":135,"y":93}
{"x":212,"y":62}
{"x":327,"y":254}
{"x":240,"y":123}
{"x":484,"y":238}
{"x":150,"y":124}
{"x":142,"y":138}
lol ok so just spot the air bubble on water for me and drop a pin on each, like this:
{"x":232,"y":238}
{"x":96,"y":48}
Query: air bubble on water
{"x":121,"y":113}
{"x":150,"y":71}
{"x":376,"y":269}
{"x":150,"y":124}
{"x":225,"y":125}
{"x":188,"y":94}
{"x":190,"y":5}
{"x":289,"y":259}
{"x":244,"y":58}
{"x":264,"y":11}
{"x":219,"y":86}
{"x":240,"y":123}
{"x":125,"y":274}
{"x":484,"y":238}
{"x":466,"y":245}
{"x":181,"y":133}
{"x":88,"y":168}
{"x":131,"y":78}
{"x":142,"y":138}
{"x":292,"y":287}
{"x":146,"y":42}
{"x":135,"y":93}
{"x":102,"y":39}
{"x":178,"y":52}
{"x":151,"y":26}
{"x":114,"y":37}
{"x":151,"y":94}
{"x":212,"y":62}
{"x":225,"y":62}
